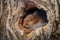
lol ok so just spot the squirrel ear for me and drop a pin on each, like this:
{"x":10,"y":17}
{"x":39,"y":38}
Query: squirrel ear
{"x":36,"y":14}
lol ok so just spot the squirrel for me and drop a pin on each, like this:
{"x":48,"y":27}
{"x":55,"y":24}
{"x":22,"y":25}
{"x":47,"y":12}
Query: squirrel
{"x":33,"y":21}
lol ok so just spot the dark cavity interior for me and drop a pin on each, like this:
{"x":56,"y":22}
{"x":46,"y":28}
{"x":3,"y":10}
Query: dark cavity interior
{"x":42,"y":13}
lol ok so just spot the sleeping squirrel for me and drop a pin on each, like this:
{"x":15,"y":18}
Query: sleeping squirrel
{"x":33,"y":21}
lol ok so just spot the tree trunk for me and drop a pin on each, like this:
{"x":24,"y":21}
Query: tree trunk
{"x":11,"y":12}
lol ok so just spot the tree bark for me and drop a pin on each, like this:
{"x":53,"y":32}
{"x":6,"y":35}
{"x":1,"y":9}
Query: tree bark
{"x":10,"y":17}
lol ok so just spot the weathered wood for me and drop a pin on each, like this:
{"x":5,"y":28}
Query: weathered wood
{"x":11,"y":12}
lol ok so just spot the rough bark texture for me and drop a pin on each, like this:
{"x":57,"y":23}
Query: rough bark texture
{"x":12,"y":10}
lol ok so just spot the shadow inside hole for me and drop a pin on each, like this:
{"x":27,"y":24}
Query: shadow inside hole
{"x":42,"y":13}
